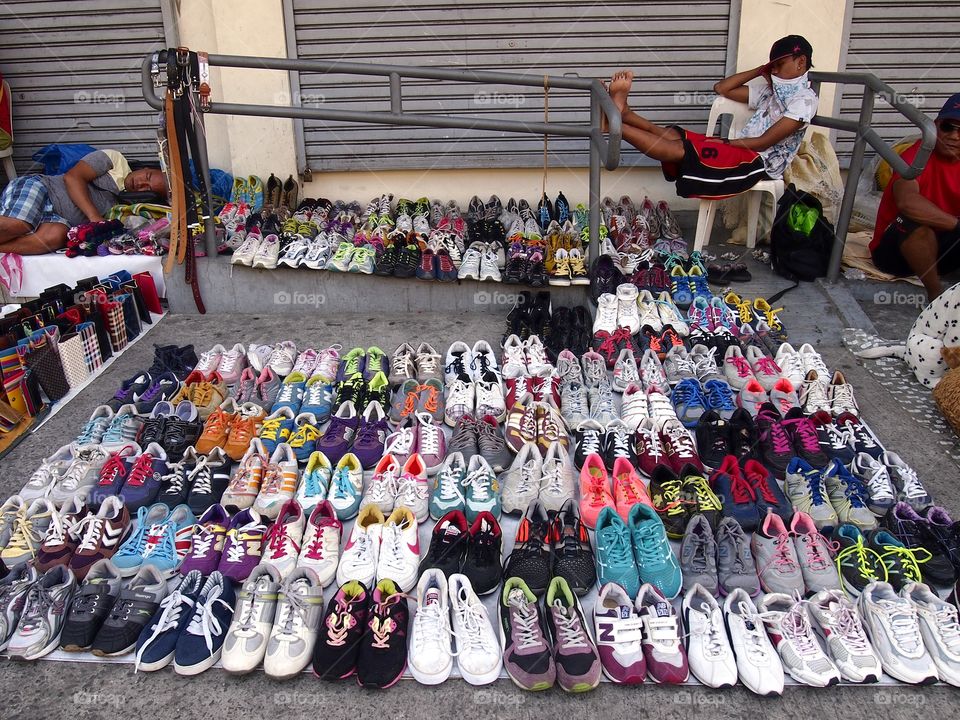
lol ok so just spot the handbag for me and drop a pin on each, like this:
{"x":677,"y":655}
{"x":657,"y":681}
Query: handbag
{"x":116,"y":327}
{"x":148,"y":289}
{"x":142,"y":312}
{"x":44,"y":361}
{"x":91,"y":346}
{"x":131,"y":318}
{"x":72,"y":358}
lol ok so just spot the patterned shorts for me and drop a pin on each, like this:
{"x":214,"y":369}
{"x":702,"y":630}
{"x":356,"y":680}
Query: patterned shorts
{"x":25,"y":198}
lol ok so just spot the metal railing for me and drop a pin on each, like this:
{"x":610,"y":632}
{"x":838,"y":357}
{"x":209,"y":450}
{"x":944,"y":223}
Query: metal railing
{"x":605,"y":149}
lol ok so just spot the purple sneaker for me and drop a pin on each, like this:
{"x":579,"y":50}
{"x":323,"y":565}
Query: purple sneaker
{"x":618,"y":632}
{"x":243,"y":546}
{"x":431,"y":443}
{"x":336,"y":441}
{"x":527,"y":655}
{"x":143,"y":478}
{"x":372,"y":432}
{"x":206,"y":543}
{"x":375,"y":361}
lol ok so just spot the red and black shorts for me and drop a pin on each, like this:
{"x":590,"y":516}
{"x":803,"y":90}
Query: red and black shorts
{"x":713,"y":169}
{"x":888,"y":258}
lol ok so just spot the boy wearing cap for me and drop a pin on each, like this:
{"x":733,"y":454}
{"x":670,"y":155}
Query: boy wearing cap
{"x":783,"y":102}
{"x":918,"y":222}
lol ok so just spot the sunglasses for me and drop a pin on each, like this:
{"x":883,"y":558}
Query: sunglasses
{"x":949,"y":126}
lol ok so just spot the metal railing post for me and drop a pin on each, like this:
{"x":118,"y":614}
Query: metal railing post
{"x":594,"y":179}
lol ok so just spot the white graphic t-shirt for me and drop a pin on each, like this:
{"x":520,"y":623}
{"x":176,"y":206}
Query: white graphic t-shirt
{"x":794,"y":99}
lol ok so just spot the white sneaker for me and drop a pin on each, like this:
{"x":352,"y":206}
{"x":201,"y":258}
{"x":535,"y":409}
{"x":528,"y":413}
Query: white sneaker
{"x":282,"y":541}
{"x":258,"y":355}
{"x":232,"y":363}
{"x":791,"y":364}
{"x":758,"y":664}
{"x":209,"y":361}
{"x":458,"y":362}
{"x":359,"y":558}
{"x":893,"y":626}
{"x":294,"y":252}
{"x":246,"y":641}
{"x":320,"y":550}
{"x":628,"y":314}
{"x":382,"y":490}
{"x":811,"y":360}
{"x":625,"y":370}
{"x":814,"y":394}
{"x":298,"y":618}
{"x":940,"y":629}
{"x":489,"y":265}
{"x":247,"y":251}
{"x":557,"y":480}
{"x":81,"y":475}
{"x":484,"y":365}
{"x":470,"y":265}
{"x":520,"y":483}
{"x":318,"y":254}
{"x":413,"y":491}
{"x":46,"y":476}
{"x":430,"y":657}
{"x":490,"y":401}
{"x":670,"y":315}
{"x":659,"y":406}
{"x":267,"y":254}
{"x":538,"y":364}
{"x":847,"y":642}
{"x":282,"y":358}
{"x":478,"y":651}
{"x":460,"y":400}
{"x":607,"y":309}
{"x":788,"y":625}
{"x":514,"y":359}
{"x":602,"y":408}
{"x":648,"y":311}
{"x":634,"y":408}
{"x":399,"y":549}
{"x":652,"y":371}
{"x":708,"y":650}
{"x":764,"y":367}
{"x":737,"y":370}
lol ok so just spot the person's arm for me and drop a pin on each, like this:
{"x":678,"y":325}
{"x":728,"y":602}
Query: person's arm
{"x":783,"y":128}
{"x":735,"y":86}
{"x":911,"y":204}
{"x":77,"y":181}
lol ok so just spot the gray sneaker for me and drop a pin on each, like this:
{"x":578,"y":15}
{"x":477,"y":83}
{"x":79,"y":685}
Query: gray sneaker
{"x":805,"y":488}
{"x":576,"y":657}
{"x":557,"y":484}
{"x":527,"y":655}
{"x":90,"y":606}
{"x":601,"y":404}
{"x":698,"y":555}
{"x":909,"y":488}
{"x":44,"y":612}
{"x":520,"y":483}
{"x":132,"y":611}
{"x":246,"y":640}
{"x":813,"y":552}
{"x":678,"y":366}
{"x":736,"y":568}
{"x":704,"y":361}
{"x":13,"y":591}
{"x":465,"y":438}
{"x":491,"y":444}
{"x":573,"y":402}
{"x":299,"y":612}
{"x":776,"y":558}
{"x":401,"y":407}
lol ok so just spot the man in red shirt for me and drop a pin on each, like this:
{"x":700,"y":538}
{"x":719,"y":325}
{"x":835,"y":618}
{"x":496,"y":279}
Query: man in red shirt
{"x":918,"y":222}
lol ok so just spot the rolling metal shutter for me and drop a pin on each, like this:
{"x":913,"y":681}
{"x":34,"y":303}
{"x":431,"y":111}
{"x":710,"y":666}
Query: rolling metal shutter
{"x":677,"y":50}
{"x":911,"y":47}
{"x":74,"y":73}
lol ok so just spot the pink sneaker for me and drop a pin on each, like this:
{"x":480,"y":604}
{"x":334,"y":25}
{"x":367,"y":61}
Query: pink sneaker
{"x":594,"y":490}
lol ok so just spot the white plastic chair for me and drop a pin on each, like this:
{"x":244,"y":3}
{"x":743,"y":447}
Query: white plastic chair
{"x":7,"y":155}
{"x":740,"y":113}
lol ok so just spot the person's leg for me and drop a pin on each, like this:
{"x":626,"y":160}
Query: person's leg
{"x":619,"y":89}
{"x":12,"y":228}
{"x":921,"y":251}
{"x":655,"y":146}
{"x":47,"y":238}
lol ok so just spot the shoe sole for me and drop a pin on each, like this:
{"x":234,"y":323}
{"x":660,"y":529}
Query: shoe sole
{"x":101,"y":653}
{"x":157,"y":664}
{"x":199,"y":667}
{"x":431,"y":678}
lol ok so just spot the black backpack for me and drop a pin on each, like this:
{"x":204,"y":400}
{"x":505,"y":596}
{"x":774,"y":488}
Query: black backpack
{"x":801,"y":239}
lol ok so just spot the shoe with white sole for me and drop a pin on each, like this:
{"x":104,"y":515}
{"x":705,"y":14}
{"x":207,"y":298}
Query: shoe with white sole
{"x":246,"y":640}
{"x":320,"y":549}
{"x":893,"y":626}
{"x":940,"y":629}
{"x":478,"y":650}
{"x":709,"y":653}
{"x":847,"y":642}
{"x":758,"y":665}
{"x":399,"y":557}
{"x":430,"y":656}
{"x":358,"y":561}
{"x":298,"y":618}
{"x":788,"y":624}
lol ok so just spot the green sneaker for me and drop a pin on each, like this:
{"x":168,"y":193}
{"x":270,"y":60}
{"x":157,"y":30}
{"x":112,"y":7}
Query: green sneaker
{"x":446,"y":492}
{"x":340,"y":262}
{"x":362,"y":261}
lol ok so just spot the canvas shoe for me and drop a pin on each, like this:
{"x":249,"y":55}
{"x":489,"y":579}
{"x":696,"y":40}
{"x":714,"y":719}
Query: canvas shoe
{"x":314,"y":482}
{"x":245,"y":484}
{"x":279,"y":482}
{"x":758,"y":665}
{"x":283,"y":539}
{"x":136,"y":603}
{"x":29,"y":530}
{"x":295,"y":628}
{"x":430,"y":656}
{"x":663,"y":651}
{"x":847,"y":641}
{"x":206,"y":541}
{"x":524,"y":636}
{"x":245,"y":643}
{"x":243,"y":547}
{"x":200,"y":644}
{"x":100,"y":535}
{"x":938,"y":626}
{"x":778,"y":566}
{"x":893,"y":626}
{"x":360,"y":555}
{"x":346,"y":487}
{"x":709,"y":653}
{"x":788,"y":624}
{"x":44,"y":613}
{"x":320,"y":550}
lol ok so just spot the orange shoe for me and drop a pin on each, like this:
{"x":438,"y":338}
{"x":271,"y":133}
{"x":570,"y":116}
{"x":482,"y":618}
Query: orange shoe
{"x":217,"y":427}
{"x":245,"y":427}
{"x":628,"y":488}
{"x":594,"y":490}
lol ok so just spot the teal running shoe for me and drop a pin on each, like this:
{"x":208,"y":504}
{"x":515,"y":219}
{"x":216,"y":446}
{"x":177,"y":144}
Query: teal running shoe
{"x":614,"y":556}
{"x":446,"y":493}
{"x":655,"y":559}
{"x":482,"y":489}
{"x":129,"y":557}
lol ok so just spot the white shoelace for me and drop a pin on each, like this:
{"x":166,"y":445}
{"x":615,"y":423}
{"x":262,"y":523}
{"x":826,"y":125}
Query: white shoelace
{"x":473,"y":622}
{"x":514,"y":355}
{"x":205,"y":623}
{"x":429,"y":439}
{"x":432,"y":631}
{"x":713,"y":633}
{"x":449,"y":485}
{"x":949,"y":628}
{"x":171,"y":607}
{"x":756,"y":637}
{"x":569,"y":628}
{"x":92,"y":528}
{"x":879,"y":483}
{"x":400,"y":442}
{"x":902,"y":618}
{"x":481,"y":482}
{"x":912,"y":487}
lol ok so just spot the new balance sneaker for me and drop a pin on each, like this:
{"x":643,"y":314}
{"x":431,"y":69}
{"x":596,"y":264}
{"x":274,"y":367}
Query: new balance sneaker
{"x":709,"y":654}
{"x":619,"y":631}
{"x":243,"y":547}
{"x":346,"y":487}
{"x":44,"y":614}
{"x":207,"y":541}
{"x":758,"y":665}
{"x":527,"y":652}
{"x":135,"y":606}
{"x":663,"y":650}
{"x":698,"y":555}
{"x":789,"y":627}
{"x":847,"y":642}
{"x":314,"y":482}
{"x":893,"y":626}
{"x":295,"y":628}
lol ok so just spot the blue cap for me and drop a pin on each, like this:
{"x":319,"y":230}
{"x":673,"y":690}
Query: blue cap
{"x":950,"y":109}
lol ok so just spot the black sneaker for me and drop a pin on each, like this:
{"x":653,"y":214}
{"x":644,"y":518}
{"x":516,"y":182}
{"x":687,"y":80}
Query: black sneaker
{"x":179,"y":435}
{"x":619,"y":442}
{"x":803,"y":434}
{"x":911,"y":530}
{"x":137,"y":385}
{"x":713,"y":439}
{"x":775,"y":447}
{"x":448,"y":544}
{"x":353,"y":389}
{"x":137,"y":603}
{"x":343,"y":627}
{"x":535,"y":270}
{"x":697,"y":495}
{"x":165,"y":358}
{"x":572,"y":552}
{"x":863,"y":440}
{"x":383,"y":648}
{"x":209,"y":480}
{"x":381,"y":396}
{"x":859,"y":564}
{"x":387,"y":262}
{"x":408,"y":261}
{"x":900,"y":561}
{"x":90,"y":606}
{"x":164,"y":387}
{"x":530,"y":559}
{"x":481,"y":562}
{"x":513,"y":273}
{"x":666,"y":498}
{"x":175,"y":485}
{"x":945,"y":531}
{"x":152,"y":431}
{"x":589,"y":438}
{"x":742,"y":435}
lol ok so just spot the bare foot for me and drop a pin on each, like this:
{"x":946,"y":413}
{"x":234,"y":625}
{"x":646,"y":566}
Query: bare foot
{"x":620,"y":88}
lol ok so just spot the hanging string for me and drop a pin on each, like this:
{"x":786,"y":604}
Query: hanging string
{"x":546,"y":120}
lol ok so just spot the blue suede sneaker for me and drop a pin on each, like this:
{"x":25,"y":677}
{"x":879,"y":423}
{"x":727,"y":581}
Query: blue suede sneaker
{"x":199,"y":646}
{"x":157,"y":643}
{"x":142,"y":483}
{"x":318,"y":399}
{"x":689,"y":401}
{"x":614,"y":557}
{"x":291,"y":393}
{"x":655,"y":559}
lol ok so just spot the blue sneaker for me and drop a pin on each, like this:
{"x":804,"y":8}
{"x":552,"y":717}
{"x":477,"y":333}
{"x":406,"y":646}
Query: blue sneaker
{"x":314,"y":483}
{"x":689,"y":401}
{"x":129,"y":557}
{"x":737,"y":496}
{"x":614,"y":556}
{"x":680,"y":287}
{"x":318,"y":399}
{"x":167,"y":545}
{"x":142,"y":483}
{"x":277,"y":428}
{"x":720,"y":398}
{"x":346,"y":487}
{"x":446,"y":493}
{"x":291,"y":393}
{"x":199,"y":646}
{"x":157,"y":643}
{"x":304,"y":439}
{"x":482,"y":489}
{"x":655,"y":559}
{"x":113,"y":474}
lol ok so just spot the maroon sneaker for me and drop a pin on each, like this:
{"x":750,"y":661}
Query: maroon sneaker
{"x":100,"y":535}
{"x":650,"y":450}
{"x":678,"y":446}
{"x":517,"y":389}
{"x":61,"y":539}
{"x":243,"y":547}
{"x":662,"y":648}
{"x":546,"y":389}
